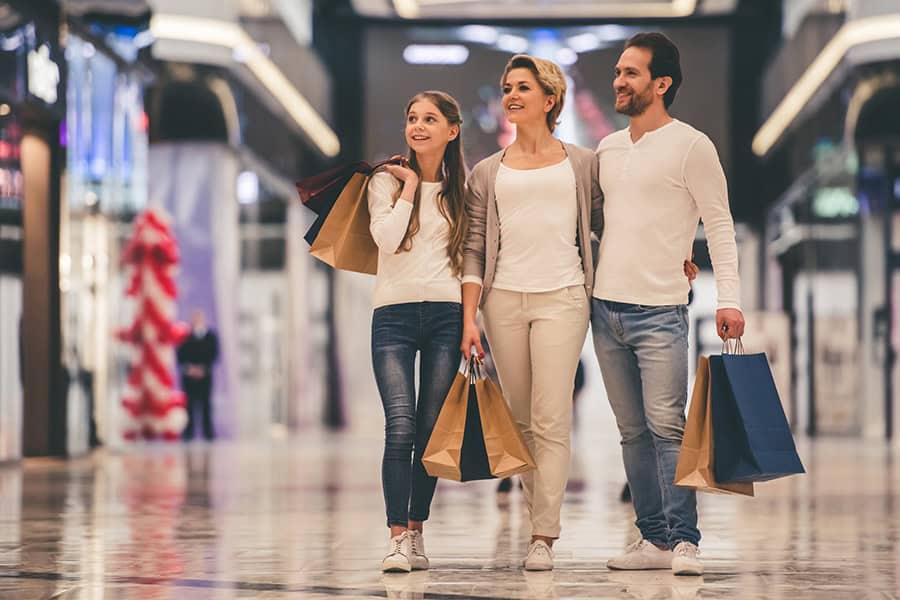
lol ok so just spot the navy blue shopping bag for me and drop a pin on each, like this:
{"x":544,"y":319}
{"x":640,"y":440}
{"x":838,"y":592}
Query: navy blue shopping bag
{"x":752,"y":438}
{"x":473,"y":458}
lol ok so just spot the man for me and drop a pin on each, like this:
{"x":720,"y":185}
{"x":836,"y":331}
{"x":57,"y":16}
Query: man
{"x":659,"y":177}
{"x":196,"y":356}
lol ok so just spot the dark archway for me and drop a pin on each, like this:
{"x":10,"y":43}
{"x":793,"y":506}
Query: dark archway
{"x":879,"y":117}
{"x":186,"y":110}
{"x":877,"y":138}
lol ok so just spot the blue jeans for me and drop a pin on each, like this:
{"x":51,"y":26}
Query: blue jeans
{"x":642,"y":351}
{"x":399,"y":331}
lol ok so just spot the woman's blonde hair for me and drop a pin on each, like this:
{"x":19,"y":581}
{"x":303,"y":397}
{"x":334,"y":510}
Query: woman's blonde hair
{"x":548,"y":75}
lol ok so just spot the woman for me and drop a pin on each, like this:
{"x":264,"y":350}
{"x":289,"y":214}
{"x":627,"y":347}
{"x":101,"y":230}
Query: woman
{"x":542,"y":199}
{"x":418,"y":221}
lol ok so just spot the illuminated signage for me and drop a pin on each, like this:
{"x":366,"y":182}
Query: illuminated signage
{"x":835,"y":203}
{"x":43,"y":75}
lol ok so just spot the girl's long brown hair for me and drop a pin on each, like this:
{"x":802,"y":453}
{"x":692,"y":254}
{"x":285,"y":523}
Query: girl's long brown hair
{"x":453,"y":175}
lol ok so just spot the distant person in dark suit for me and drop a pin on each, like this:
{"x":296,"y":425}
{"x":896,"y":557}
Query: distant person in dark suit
{"x":196,"y":356}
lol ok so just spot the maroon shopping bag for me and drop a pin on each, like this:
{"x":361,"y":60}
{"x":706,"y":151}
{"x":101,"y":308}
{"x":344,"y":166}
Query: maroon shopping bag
{"x":320,"y":192}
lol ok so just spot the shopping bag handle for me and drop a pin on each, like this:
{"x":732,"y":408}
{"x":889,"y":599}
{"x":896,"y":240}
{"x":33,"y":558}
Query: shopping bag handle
{"x":397,"y":159}
{"x":472,"y":368}
{"x":311,"y":186}
{"x":478,"y":371}
{"x":733,"y":346}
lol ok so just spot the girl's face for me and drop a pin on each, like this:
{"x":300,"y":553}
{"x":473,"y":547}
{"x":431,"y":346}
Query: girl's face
{"x":427,"y":129}
{"x":524,"y":100}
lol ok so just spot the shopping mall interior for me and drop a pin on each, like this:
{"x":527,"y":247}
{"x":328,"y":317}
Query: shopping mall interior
{"x":149,"y":155}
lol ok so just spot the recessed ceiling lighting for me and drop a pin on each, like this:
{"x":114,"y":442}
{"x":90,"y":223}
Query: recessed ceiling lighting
{"x":411,"y":9}
{"x":231,"y":35}
{"x":854,"y":33}
{"x":436,"y":54}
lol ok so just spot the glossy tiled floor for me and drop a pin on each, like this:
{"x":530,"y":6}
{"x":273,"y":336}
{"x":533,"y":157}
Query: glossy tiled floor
{"x":304,"y":518}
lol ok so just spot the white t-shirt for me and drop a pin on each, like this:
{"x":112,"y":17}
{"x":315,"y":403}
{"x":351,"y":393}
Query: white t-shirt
{"x":422,"y":274}
{"x":538,"y":211}
{"x":655,"y":192}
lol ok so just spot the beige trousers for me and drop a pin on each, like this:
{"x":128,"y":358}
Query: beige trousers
{"x":535,"y":340}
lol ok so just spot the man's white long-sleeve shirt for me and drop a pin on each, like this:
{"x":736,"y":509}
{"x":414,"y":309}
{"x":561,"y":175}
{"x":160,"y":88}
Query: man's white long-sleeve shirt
{"x":655,"y":192}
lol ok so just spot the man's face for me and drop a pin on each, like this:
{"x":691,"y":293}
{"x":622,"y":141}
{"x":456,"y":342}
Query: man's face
{"x":633,"y":84}
{"x":198,"y":319}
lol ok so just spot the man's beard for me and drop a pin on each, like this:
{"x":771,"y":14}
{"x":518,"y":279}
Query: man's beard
{"x":637,"y":104}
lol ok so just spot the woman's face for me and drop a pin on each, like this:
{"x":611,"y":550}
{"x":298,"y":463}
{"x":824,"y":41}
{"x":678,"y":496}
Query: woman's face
{"x":524,"y":100}
{"x":427,"y":129}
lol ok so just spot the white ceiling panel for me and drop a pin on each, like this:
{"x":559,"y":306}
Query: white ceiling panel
{"x":538,"y":9}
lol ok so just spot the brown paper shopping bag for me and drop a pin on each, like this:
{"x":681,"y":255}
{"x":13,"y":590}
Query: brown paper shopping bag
{"x":483,"y":445}
{"x":442,"y":453}
{"x":344,"y":242}
{"x":507,"y":452}
{"x":695,"y":462}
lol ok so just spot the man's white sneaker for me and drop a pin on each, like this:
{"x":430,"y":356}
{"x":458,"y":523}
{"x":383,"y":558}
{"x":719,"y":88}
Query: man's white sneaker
{"x":685,"y":561}
{"x":417,"y":558}
{"x":642,"y":555}
{"x":539,"y":557}
{"x":397,"y":559}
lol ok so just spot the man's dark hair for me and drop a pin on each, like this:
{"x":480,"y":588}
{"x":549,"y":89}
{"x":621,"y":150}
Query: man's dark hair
{"x":665,"y":61}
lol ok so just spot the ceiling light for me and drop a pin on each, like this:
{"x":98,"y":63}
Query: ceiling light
{"x":566,"y":57}
{"x":436,"y":54}
{"x":406,"y":9}
{"x":143,"y":38}
{"x":584,"y":42}
{"x":512,"y":43}
{"x":247,"y":187}
{"x":851,"y":34}
{"x":481,"y":34}
{"x":411,"y":9}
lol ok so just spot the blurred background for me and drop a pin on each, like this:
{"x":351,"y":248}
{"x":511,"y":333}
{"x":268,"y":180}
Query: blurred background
{"x":211,"y":109}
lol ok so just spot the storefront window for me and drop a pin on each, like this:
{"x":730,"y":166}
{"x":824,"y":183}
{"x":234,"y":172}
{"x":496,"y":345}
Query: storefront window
{"x":105,"y":187}
{"x":815,"y":239}
{"x":11,"y":199}
{"x":30,"y":76}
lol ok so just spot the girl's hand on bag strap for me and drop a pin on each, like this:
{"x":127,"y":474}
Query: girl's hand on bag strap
{"x":408,"y":178}
{"x":404,"y":174}
{"x":399,"y":158}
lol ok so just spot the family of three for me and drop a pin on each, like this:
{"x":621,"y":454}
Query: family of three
{"x":514,"y":240}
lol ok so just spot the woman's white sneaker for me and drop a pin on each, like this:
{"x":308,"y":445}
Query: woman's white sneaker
{"x":397,"y":560}
{"x":685,"y":561}
{"x":539,"y":557}
{"x":640,"y":556}
{"x":417,"y":558}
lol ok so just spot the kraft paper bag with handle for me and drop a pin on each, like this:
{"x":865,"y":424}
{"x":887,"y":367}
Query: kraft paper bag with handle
{"x":443,"y":451}
{"x":340,"y":234}
{"x":695,"y":462}
{"x":344,"y":240}
{"x":506,"y":449}
{"x":475,"y":436}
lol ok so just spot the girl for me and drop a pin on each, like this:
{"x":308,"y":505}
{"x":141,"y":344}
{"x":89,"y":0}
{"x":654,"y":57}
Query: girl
{"x":418,"y":221}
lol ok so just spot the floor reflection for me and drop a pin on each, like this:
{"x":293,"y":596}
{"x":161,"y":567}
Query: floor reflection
{"x":304,"y":518}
